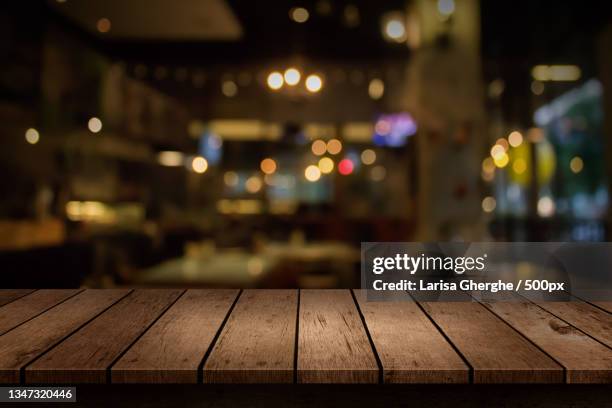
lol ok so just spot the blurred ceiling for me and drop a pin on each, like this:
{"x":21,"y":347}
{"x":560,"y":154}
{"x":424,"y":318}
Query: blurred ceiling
{"x":165,"y":20}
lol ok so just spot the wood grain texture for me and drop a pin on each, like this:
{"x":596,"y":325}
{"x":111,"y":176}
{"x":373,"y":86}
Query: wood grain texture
{"x":585,"y":360}
{"x":258,"y":340}
{"x":172,"y":349}
{"x":495,"y":351}
{"x":8,"y":295}
{"x":607,"y":306}
{"x":410,"y":347}
{"x":25,"y":308}
{"x":26,"y":342}
{"x":589,"y":319}
{"x":333,"y":346}
{"x":85,"y":356}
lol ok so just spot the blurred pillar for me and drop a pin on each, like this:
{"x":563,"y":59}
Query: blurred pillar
{"x":605,"y":74}
{"x":445,"y":93}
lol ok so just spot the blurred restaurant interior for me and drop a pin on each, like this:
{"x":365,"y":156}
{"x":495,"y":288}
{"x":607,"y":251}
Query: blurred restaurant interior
{"x":229,"y":143}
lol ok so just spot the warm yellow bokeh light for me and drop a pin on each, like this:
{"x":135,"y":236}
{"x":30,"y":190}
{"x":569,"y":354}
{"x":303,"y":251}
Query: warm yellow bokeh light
{"x":103,"y":25}
{"x":231,"y":179}
{"x":488,"y":204}
{"x":519,"y":165}
{"x":253,"y":184}
{"x":503,"y":143}
{"x":376,"y":88}
{"x":497,"y":151}
{"x":576,"y":165}
{"x":32,"y":136}
{"x":368,"y":156}
{"x":268,"y":166}
{"x":292,"y":76}
{"x":501,"y":161}
{"x":314,"y":83}
{"x":275,"y":80}
{"x":515,"y":139}
{"x":378,"y":173}
{"x":318,"y":147}
{"x":299,"y":14}
{"x":312,"y":173}
{"x":488,"y":166}
{"x":199,"y":164}
{"x":334,"y":146}
{"x":326,"y":165}
{"x":94,"y":125}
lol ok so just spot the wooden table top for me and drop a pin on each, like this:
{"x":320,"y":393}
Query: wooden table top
{"x":287,"y":336}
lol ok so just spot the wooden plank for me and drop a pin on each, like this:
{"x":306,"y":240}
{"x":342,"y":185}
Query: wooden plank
{"x":589,"y":319}
{"x":257,"y":343}
{"x":26,"y":342}
{"x":495,"y":351}
{"x":333,"y":346}
{"x":607,"y":306}
{"x":410,"y":347}
{"x":86,"y":355}
{"x":172,"y":349}
{"x":8,"y":295}
{"x":25,"y":308}
{"x":585,"y":360}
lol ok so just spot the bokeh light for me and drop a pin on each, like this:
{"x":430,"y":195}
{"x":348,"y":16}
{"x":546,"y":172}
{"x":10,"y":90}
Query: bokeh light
{"x":299,"y":14}
{"x":94,"y":125}
{"x":230,"y":178}
{"x":334,"y":146}
{"x":199,"y":164}
{"x":576,"y":164}
{"x":292,"y":76}
{"x":326,"y":165}
{"x":275,"y":80}
{"x":318,"y":147}
{"x":515,"y":138}
{"x":489,"y":204}
{"x":312,"y":173}
{"x":268,"y":166}
{"x":32,"y":136}
{"x":345,"y":167}
{"x":368,"y":156}
{"x":314,"y":83}
{"x":253,"y":184}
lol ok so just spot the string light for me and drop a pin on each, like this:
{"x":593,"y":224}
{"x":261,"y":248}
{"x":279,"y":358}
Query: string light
{"x":292,"y":76}
{"x":32,"y":136}
{"x":94,"y":125}
{"x":314,"y":83}
{"x":275,"y":80}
